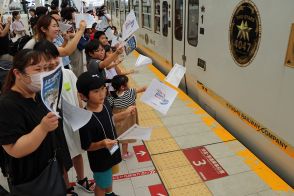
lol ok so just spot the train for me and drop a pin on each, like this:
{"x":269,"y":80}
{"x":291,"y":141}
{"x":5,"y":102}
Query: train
{"x":239,"y":57}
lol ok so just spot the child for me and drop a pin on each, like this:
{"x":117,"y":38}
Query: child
{"x":112,"y":71}
{"x":98,"y":135}
{"x":96,"y":58}
{"x":120,"y":100}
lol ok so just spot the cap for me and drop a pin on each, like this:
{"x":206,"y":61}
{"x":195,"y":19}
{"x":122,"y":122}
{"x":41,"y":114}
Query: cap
{"x":89,"y":81}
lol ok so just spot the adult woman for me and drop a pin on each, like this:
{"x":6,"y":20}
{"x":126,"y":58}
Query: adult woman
{"x":27,"y":129}
{"x":76,"y":58}
{"x":17,"y":25}
{"x":47,"y":28}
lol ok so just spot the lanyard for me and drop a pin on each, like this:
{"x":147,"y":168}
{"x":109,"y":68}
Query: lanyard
{"x":109,"y":121}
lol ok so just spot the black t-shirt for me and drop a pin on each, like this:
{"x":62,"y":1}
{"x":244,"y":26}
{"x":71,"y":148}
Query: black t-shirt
{"x":93,"y":67}
{"x":4,"y":46}
{"x":19,"y":116}
{"x":100,"y":160}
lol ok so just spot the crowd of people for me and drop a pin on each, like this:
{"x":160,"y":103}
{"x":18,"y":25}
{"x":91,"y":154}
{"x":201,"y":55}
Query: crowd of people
{"x":33,"y":139}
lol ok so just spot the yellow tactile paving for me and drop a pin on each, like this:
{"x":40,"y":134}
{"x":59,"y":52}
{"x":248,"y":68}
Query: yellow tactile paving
{"x":147,"y":115}
{"x":160,"y":133}
{"x":151,"y":123}
{"x":143,"y":107}
{"x":170,"y":160}
{"x":194,"y":190}
{"x":161,"y":146}
{"x":178,"y":177}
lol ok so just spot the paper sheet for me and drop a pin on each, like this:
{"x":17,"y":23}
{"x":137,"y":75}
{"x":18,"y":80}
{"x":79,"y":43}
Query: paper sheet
{"x":76,"y":117}
{"x":109,"y":34}
{"x":136,"y":132}
{"x":130,"y":26}
{"x":159,"y":96}
{"x":175,"y":75}
{"x":64,"y":27}
{"x":143,"y":60}
{"x":90,"y":20}
{"x":51,"y":84}
{"x":130,"y":45}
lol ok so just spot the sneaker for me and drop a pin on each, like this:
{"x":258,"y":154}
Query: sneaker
{"x":71,"y":192}
{"x":86,"y":185}
{"x":127,"y":155}
{"x":111,"y":194}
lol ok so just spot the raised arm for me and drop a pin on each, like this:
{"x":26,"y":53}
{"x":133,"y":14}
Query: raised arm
{"x":141,"y":89}
{"x":4,"y":32}
{"x":71,"y":46}
{"x":29,"y":143}
{"x":112,"y":57}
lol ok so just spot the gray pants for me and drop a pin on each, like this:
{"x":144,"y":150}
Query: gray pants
{"x":76,"y":62}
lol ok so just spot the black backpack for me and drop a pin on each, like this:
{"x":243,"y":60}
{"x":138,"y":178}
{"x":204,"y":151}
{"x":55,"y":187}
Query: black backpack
{"x":16,"y":46}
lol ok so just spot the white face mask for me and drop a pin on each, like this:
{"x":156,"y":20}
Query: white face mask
{"x":35,"y":85}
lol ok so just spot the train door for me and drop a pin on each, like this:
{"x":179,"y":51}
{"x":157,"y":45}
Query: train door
{"x":179,"y":19}
{"x":193,"y":63}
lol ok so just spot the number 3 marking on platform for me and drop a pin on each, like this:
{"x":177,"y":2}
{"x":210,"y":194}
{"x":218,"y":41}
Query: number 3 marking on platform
{"x":199,"y":163}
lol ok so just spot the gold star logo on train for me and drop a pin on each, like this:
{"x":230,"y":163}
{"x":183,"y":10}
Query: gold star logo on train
{"x":243,"y":30}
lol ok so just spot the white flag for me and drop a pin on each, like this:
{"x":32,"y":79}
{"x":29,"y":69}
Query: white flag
{"x":130,"y":26}
{"x":143,"y":60}
{"x":159,"y":96}
{"x":76,"y":117}
{"x":175,"y":75}
{"x":88,"y":18}
{"x":136,"y":132}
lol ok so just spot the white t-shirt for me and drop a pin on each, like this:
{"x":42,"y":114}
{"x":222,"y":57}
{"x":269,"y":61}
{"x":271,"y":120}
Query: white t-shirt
{"x":30,"y":44}
{"x":69,"y":93}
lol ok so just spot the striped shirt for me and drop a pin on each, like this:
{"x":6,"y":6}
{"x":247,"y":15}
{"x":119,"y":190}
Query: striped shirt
{"x":127,"y":99}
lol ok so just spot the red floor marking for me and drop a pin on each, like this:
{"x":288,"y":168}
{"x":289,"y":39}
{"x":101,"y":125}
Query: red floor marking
{"x":141,"y":153}
{"x":132,"y":175}
{"x":123,"y":176}
{"x":204,"y":163}
{"x":157,"y":190}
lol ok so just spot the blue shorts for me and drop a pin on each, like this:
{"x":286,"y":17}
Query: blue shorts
{"x":103,"y":179}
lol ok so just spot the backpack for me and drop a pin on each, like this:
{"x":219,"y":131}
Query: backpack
{"x":15,"y":47}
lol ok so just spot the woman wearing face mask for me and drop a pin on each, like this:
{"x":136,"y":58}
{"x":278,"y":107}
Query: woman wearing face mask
{"x":27,"y":129}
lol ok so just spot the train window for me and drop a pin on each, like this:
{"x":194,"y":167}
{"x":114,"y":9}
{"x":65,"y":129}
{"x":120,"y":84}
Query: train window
{"x":179,"y":20}
{"x":157,"y":16}
{"x":116,"y":8}
{"x":146,"y":14}
{"x":112,"y":7}
{"x":127,"y":7}
{"x":193,"y":18}
{"x":290,"y":52}
{"x":136,"y":8}
{"x":122,"y":12}
{"x":165,"y":18}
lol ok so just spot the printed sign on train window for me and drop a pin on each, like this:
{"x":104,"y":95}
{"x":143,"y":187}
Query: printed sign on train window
{"x":245,"y":33}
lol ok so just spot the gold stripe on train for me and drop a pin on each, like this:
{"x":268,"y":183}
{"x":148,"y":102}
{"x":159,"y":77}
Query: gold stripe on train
{"x":281,"y":143}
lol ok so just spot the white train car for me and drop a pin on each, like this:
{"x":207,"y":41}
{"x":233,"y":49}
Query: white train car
{"x":239,"y":56}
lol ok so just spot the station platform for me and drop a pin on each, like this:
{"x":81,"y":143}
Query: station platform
{"x":189,"y":154}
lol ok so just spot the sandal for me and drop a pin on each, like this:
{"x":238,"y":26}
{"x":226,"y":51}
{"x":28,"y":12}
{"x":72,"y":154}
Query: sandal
{"x":71,"y":191}
{"x":86,"y":185}
{"x":127,"y":155}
